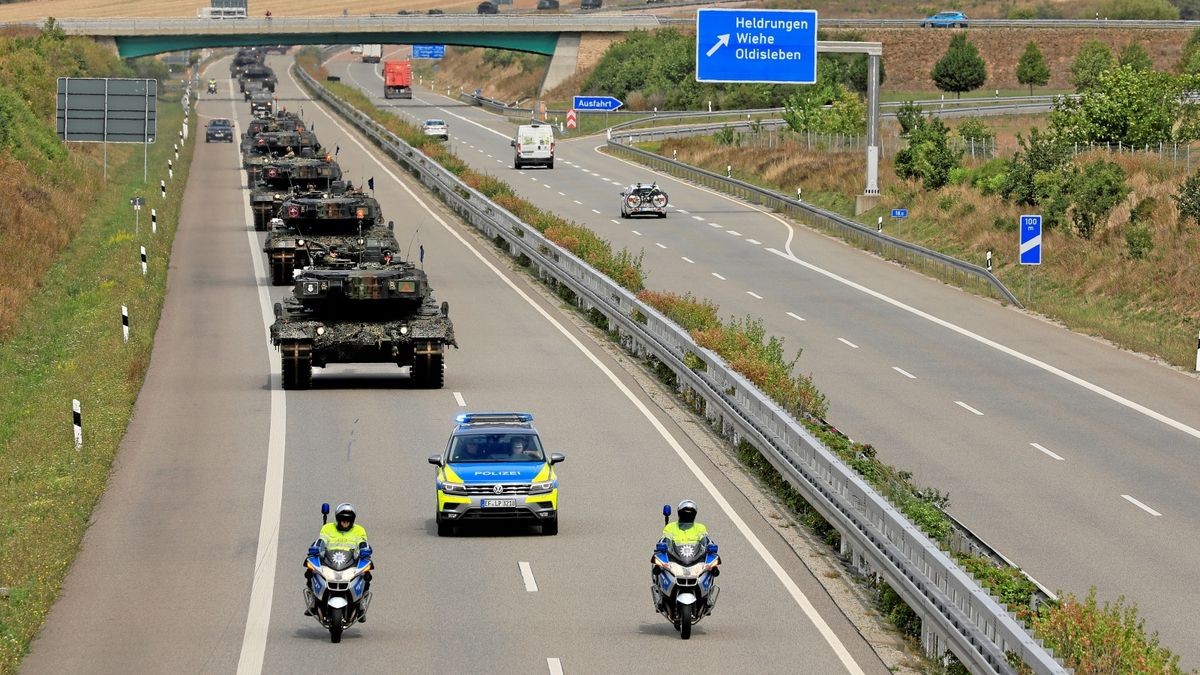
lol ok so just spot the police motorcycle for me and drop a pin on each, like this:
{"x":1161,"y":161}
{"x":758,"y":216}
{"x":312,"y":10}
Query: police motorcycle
{"x":682,"y":580}
{"x":336,"y":594}
{"x":212,"y":86}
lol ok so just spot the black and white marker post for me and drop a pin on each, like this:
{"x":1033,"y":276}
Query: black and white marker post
{"x":162,"y":186}
{"x":77,"y":420}
{"x":143,"y":261}
{"x":879,"y":224}
{"x":170,"y":169}
{"x":154,"y":221}
{"x":124,"y":323}
{"x":989,"y":260}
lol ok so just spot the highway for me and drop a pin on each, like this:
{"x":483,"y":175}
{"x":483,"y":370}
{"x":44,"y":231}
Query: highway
{"x":1075,"y":459}
{"x":193,"y":560}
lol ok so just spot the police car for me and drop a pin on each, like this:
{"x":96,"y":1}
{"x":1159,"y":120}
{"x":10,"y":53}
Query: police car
{"x":494,"y":468}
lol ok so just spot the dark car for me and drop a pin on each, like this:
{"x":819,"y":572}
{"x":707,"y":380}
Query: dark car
{"x":434,"y":12}
{"x":219,"y":129}
{"x":590,"y":4}
{"x":486,"y":8}
{"x":945,"y":20}
{"x":547,"y":4}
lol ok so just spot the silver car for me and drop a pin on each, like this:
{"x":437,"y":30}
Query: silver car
{"x":640,"y":199}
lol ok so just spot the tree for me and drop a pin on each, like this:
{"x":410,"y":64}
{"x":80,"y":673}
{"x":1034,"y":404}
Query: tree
{"x":1189,"y":10}
{"x":1188,"y":198}
{"x":1041,"y":156}
{"x":1094,"y":57}
{"x":1127,"y":107}
{"x":1032,"y":68}
{"x":961,"y":69}
{"x":1135,"y":56}
{"x":1095,"y":190}
{"x":928,"y":155}
{"x":909,"y":116}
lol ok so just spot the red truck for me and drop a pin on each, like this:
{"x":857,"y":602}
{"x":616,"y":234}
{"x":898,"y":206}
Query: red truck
{"x":397,"y":79}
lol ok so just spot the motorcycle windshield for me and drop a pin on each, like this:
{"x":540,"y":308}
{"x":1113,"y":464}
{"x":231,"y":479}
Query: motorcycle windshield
{"x":339,"y":558}
{"x":689,"y":553}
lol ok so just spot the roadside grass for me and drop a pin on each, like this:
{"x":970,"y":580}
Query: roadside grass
{"x":67,"y":344}
{"x":1149,"y":305}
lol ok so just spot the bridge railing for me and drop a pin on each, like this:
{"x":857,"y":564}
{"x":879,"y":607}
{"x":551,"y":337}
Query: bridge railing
{"x":378,"y":23}
{"x":956,"y":613}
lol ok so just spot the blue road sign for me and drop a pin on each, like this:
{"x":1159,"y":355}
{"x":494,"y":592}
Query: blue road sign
{"x":428,"y":51}
{"x":1031,"y":240}
{"x":756,"y":45}
{"x":899,"y":213}
{"x":601,"y":103}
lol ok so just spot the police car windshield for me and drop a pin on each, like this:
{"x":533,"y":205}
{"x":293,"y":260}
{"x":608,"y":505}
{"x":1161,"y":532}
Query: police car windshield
{"x":498,"y":447}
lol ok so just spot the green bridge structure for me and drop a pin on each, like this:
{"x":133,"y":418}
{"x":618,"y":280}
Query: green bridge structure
{"x":556,"y":36}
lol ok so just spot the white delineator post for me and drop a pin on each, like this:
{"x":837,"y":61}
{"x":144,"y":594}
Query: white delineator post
{"x":162,"y":187}
{"x":153,"y":221}
{"x":77,"y":422}
{"x":1198,"y":352}
{"x":125,"y":323}
{"x":143,"y":261}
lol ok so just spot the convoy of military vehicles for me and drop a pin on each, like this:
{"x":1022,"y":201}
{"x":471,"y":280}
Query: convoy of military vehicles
{"x":356,"y":297}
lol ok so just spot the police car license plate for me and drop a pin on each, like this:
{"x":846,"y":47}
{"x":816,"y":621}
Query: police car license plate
{"x":495,"y":503}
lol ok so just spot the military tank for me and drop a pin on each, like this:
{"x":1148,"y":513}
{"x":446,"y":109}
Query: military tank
{"x":278,"y":178}
{"x":244,"y":59}
{"x":268,"y":146}
{"x":259,"y":72}
{"x":370,"y":308}
{"x":316,"y":221}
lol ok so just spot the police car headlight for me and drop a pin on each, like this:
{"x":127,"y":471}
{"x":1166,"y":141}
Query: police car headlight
{"x":454,"y":488}
{"x":541,"y":488}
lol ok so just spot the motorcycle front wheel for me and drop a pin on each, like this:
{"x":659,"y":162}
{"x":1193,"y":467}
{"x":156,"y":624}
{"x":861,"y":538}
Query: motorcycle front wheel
{"x":335,"y":624}
{"x":685,"y":621}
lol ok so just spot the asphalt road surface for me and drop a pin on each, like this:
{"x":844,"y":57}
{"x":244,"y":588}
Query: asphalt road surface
{"x":1077,"y":460}
{"x":193,"y":562}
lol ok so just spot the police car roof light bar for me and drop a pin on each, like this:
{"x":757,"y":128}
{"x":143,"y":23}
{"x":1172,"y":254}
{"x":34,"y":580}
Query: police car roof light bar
{"x":465,"y":419}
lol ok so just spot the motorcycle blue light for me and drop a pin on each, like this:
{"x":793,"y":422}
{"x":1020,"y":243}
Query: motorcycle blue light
{"x":712,"y":548}
{"x":313,"y":550}
{"x":661,"y":547}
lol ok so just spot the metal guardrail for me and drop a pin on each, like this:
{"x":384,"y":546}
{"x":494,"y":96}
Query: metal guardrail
{"x":927,"y":260}
{"x":956,"y":613}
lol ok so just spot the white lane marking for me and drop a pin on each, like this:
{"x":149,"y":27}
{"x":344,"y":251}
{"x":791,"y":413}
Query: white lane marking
{"x":754,"y":241}
{"x":560,"y":194}
{"x":1094,"y":388}
{"x":848,"y":343}
{"x":577,"y":202}
{"x":1039,"y":447}
{"x":555,"y":666}
{"x":262,"y":589}
{"x":718,"y":276}
{"x":662,"y":246}
{"x":636,"y":232}
{"x":688,"y":260}
{"x":967,"y":407}
{"x":788,"y":583}
{"x":698,"y":218}
{"x":795,"y":316}
{"x":549,"y":188}
{"x":1140,"y":505}
{"x":713,"y":225}
{"x":754,"y":295}
{"x":527,"y":575}
{"x":733,"y":232}
{"x":595,"y":211}
{"x":904,"y":372}
{"x":682,"y":211}
{"x":533,"y":178}
{"x":614,"y":221}
{"x":458,"y":398}
{"x":499,"y":161}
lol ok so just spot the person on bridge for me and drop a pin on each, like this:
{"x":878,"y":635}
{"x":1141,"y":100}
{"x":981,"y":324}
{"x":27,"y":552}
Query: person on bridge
{"x":268,"y":14}
{"x":343,"y":533}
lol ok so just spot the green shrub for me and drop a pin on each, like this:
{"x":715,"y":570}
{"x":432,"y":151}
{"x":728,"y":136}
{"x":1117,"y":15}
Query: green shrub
{"x":1095,"y":639}
{"x":908,"y":116}
{"x":973,"y":130}
{"x":928,"y":156}
{"x":1139,"y":240}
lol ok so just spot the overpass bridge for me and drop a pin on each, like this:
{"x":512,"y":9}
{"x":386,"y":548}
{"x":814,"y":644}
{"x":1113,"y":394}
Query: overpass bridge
{"x":556,"y":36}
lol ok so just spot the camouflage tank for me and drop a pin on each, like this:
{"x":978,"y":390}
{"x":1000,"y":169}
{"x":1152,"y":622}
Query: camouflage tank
{"x":318,"y":221}
{"x":277,"y":179}
{"x":244,"y":59}
{"x":267,"y":146}
{"x":259,"y":72}
{"x":374,"y":310}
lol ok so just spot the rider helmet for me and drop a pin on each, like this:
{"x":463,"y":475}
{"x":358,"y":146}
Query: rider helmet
{"x":345,"y":512}
{"x":687,"y":511}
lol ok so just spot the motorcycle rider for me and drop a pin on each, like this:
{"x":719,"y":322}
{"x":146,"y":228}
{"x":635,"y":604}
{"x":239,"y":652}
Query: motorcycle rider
{"x":212,"y":85}
{"x":685,"y":530}
{"x":342,"y":533}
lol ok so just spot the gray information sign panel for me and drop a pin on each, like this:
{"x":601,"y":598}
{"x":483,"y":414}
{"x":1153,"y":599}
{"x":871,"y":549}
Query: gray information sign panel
{"x":107,"y":110}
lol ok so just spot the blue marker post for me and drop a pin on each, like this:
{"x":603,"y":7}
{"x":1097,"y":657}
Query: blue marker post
{"x":1031,"y":247}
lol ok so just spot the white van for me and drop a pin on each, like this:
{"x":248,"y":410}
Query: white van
{"x":221,"y":13}
{"x":533,"y":146}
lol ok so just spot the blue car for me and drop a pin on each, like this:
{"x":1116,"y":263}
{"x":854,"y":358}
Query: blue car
{"x":945,"y":20}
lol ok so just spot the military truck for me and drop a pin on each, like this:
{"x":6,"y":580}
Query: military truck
{"x":278,"y":178}
{"x":375,"y":309}
{"x":252,"y":87}
{"x":262,"y":103}
{"x":318,"y":221}
{"x":259,"y":72}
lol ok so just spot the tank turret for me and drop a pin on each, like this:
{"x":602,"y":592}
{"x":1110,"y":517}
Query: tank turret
{"x":320,"y":222}
{"x":278,"y":178}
